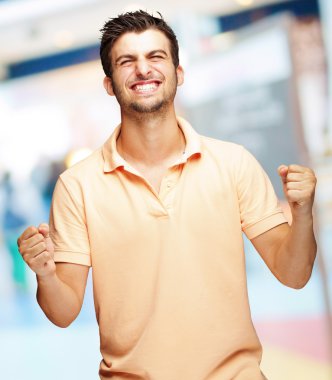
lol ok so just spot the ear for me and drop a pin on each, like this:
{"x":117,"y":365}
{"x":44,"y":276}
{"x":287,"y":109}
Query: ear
{"x":180,"y":75}
{"x":108,"y":86}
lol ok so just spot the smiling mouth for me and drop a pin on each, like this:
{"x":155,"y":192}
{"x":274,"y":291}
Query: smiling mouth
{"x":145,"y":87}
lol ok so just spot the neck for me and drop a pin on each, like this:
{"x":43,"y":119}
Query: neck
{"x":150,"y":139}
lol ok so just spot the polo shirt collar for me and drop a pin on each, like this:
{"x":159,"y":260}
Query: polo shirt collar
{"x":113,"y":160}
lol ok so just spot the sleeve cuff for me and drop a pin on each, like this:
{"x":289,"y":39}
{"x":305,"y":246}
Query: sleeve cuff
{"x":265,"y":224}
{"x":72,"y":257}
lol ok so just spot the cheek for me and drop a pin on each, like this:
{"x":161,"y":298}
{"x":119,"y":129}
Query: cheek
{"x":121,"y":77}
{"x":160,"y":69}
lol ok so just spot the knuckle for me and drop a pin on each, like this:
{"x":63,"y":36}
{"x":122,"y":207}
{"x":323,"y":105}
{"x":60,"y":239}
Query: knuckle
{"x":289,"y":186}
{"x":39,"y":237}
{"x":309,"y":172}
{"x":31,"y":230}
{"x":38,"y":258}
{"x":291,"y":177}
{"x":22,"y":248}
{"x":47,"y":256}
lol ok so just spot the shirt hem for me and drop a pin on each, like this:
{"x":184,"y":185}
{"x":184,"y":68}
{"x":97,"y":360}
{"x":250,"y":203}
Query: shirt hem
{"x":264,"y":225}
{"x":73,"y":258}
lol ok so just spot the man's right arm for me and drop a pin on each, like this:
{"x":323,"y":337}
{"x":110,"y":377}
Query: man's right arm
{"x":61,"y":286}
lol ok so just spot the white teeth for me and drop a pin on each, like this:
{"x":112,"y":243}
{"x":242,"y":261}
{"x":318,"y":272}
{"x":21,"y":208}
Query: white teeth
{"x":145,"y":87}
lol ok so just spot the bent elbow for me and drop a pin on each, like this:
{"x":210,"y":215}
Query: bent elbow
{"x":63,"y":323}
{"x":296,"y":282}
{"x":296,"y":285}
{"x":60,"y":317}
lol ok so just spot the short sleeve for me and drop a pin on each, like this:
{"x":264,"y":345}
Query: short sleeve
{"x":259,"y":207}
{"x":68,"y":227}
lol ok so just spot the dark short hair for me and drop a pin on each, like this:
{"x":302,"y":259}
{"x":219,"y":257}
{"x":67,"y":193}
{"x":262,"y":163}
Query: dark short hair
{"x":138,"y":21}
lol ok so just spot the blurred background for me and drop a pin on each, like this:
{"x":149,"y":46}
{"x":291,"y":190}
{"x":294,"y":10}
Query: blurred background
{"x":256,"y":74}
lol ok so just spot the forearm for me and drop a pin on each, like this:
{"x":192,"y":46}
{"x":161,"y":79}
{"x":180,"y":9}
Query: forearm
{"x":296,"y":255}
{"x":58,"y":300}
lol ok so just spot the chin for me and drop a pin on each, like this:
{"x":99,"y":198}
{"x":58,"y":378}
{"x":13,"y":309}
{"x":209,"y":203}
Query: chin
{"x":147,"y":108}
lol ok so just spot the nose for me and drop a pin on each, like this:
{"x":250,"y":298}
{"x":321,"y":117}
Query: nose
{"x":143,"y":68}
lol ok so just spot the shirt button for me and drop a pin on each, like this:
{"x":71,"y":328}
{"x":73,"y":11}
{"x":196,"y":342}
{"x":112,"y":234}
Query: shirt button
{"x":168,"y":184}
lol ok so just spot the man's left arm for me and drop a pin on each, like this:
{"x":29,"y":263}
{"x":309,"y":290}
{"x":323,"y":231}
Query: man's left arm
{"x":290,"y":251}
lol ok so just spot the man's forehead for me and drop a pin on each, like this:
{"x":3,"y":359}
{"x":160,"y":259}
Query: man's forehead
{"x":143,"y":42}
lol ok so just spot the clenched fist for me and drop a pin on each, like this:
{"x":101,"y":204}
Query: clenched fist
{"x":37,"y":250}
{"x":299,"y":185}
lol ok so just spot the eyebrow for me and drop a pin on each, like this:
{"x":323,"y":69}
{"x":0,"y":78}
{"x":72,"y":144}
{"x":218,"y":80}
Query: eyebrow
{"x":158,"y":51}
{"x":149,"y":54}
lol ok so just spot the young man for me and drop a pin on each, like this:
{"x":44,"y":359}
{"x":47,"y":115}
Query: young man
{"x":158,"y":213}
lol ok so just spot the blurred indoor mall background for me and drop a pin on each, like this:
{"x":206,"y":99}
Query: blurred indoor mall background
{"x":256,"y":74}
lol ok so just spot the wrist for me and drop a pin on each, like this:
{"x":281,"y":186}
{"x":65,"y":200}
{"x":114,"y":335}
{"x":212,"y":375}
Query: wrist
{"x":302,"y":217}
{"x":46,"y":278}
{"x":301,"y":210}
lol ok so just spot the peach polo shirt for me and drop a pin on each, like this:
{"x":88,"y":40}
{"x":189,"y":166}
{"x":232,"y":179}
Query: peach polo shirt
{"x":168,"y":269}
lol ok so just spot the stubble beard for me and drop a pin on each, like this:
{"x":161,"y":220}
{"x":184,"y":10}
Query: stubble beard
{"x":145,"y":109}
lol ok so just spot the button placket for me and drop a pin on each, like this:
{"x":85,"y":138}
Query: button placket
{"x":168,"y":188}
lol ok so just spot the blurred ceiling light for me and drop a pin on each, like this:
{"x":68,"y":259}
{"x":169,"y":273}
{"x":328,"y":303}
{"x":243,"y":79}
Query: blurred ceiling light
{"x":63,"y":39}
{"x":132,"y":7}
{"x":76,"y":155}
{"x":245,"y":3}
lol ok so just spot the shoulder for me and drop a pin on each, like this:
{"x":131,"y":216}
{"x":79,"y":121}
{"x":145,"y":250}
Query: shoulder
{"x":230,"y":156}
{"x":209,"y":145}
{"x":223,"y":150}
{"x":81,"y":175}
{"x":84,"y":169}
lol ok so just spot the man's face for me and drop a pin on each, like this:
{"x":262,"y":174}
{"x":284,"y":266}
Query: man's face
{"x":144,"y":78}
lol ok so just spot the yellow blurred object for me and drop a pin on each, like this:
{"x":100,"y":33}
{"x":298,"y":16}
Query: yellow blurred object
{"x":279,"y":364}
{"x":64,"y":39}
{"x":76,"y":155}
{"x":245,"y":3}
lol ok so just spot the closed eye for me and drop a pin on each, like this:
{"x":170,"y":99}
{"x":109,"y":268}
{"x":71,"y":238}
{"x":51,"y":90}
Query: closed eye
{"x":157,"y":57}
{"x":125,"y":59}
{"x":126,"y":62}
{"x":157,"y":54}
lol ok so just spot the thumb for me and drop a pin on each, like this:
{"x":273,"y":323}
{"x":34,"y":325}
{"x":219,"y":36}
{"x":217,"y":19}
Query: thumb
{"x":44,"y":229}
{"x":283,"y":171}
